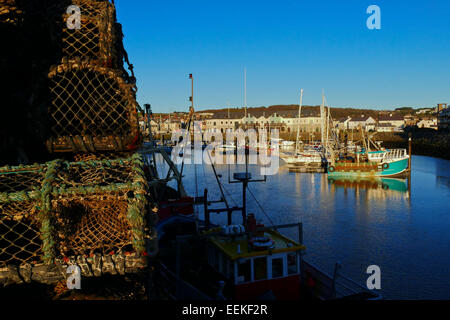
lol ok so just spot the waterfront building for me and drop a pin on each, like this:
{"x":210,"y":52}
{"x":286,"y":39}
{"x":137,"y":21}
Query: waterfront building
{"x":386,"y":127}
{"x":430,"y":123}
{"x":342,"y":123}
{"x":223,"y":121}
{"x":425,"y":110}
{"x":396,"y":121}
{"x":366,"y":122}
{"x":411,"y":120}
{"x":443,"y":117}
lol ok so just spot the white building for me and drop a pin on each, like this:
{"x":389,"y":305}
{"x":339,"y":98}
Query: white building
{"x":431,"y":123}
{"x":385,"y":127}
{"x":365,"y":122}
{"x":397,"y":121}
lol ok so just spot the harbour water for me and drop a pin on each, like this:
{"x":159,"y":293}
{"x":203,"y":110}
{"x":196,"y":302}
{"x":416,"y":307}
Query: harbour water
{"x":402,"y":228}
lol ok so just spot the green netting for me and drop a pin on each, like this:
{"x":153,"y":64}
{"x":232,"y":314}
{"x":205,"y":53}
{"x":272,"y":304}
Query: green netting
{"x":63,"y":209}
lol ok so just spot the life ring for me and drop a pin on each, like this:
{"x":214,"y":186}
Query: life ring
{"x":331,"y":169}
{"x":262,"y":243}
{"x":385,"y":165}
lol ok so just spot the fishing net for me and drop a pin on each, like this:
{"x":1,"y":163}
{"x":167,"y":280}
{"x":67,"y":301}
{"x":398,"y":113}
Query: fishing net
{"x":96,"y":211}
{"x":92,"y":109}
{"x":10,"y":12}
{"x":100,"y":224}
{"x":80,"y":157}
{"x":19,"y":226}
{"x":96,"y":37}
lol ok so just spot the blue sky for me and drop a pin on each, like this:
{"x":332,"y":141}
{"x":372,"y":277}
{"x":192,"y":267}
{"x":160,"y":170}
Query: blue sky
{"x":285,"y":46}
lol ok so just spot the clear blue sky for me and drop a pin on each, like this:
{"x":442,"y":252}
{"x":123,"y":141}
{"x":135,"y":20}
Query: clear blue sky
{"x":285,"y":46}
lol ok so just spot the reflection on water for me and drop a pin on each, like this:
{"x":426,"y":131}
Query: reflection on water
{"x":358,"y":223}
{"x":380,"y":189}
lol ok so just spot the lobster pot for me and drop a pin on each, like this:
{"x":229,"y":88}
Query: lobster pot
{"x":92,"y":109}
{"x":96,"y":38}
{"x":20,"y":241}
{"x":92,"y":211}
{"x":95,"y":214}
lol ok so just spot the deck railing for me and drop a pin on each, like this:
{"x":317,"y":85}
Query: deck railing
{"x":336,"y":286}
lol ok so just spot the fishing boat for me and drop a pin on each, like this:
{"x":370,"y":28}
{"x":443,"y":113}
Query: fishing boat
{"x":313,"y":154}
{"x":388,"y":163}
{"x":246,"y":262}
{"x":305,"y":157}
{"x":202,"y":260}
{"x":199,"y":259}
{"x":254,"y":260}
{"x":376,"y":156}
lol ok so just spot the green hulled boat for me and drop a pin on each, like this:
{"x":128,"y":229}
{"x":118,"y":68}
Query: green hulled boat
{"x":385,"y":164}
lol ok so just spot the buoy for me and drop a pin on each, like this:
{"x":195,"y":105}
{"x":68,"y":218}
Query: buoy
{"x":262,"y":243}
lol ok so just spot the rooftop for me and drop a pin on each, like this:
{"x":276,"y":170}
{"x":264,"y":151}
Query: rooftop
{"x":229,"y":245}
{"x":361,"y":118}
{"x":391,"y":118}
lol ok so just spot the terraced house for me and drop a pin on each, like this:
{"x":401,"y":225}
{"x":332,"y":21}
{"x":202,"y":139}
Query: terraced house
{"x":285,"y":121}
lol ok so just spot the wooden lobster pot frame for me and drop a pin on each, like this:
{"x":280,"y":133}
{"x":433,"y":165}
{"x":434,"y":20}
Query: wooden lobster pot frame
{"x":97,"y":36}
{"x":93,"y":214}
{"x":20,"y":241}
{"x":92,"y":109}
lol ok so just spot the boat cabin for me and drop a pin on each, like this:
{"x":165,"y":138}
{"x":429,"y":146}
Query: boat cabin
{"x":262,"y":263}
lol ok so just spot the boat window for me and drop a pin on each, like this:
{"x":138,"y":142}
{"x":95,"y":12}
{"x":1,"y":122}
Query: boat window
{"x":260,"y":268}
{"x":244,"y":271}
{"x":277,"y":267}
{"x":292,"y":263}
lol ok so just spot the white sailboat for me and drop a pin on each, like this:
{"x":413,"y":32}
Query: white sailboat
{"x":305,"y":157}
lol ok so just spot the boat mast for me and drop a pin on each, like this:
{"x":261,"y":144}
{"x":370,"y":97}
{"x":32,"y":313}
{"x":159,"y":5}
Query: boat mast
{"x":328,"y":127}
{"x":299,"y":115}
{"x":245,"y":93}
{"x":322,"y":118}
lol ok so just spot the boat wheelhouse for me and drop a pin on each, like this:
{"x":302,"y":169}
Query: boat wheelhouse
{"x":264,"y":263}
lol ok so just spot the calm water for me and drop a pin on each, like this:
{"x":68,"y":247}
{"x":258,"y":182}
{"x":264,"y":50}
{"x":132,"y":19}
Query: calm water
{"x":358,"y":224}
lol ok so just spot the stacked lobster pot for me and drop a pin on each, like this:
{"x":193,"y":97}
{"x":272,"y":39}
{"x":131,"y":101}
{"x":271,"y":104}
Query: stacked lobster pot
{"x":93,"y":104}
{"x":93,"y":214}
{"x":93,"y":208}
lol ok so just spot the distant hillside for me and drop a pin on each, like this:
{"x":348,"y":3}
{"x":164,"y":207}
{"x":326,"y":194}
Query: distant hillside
{"x":336,"y":113}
